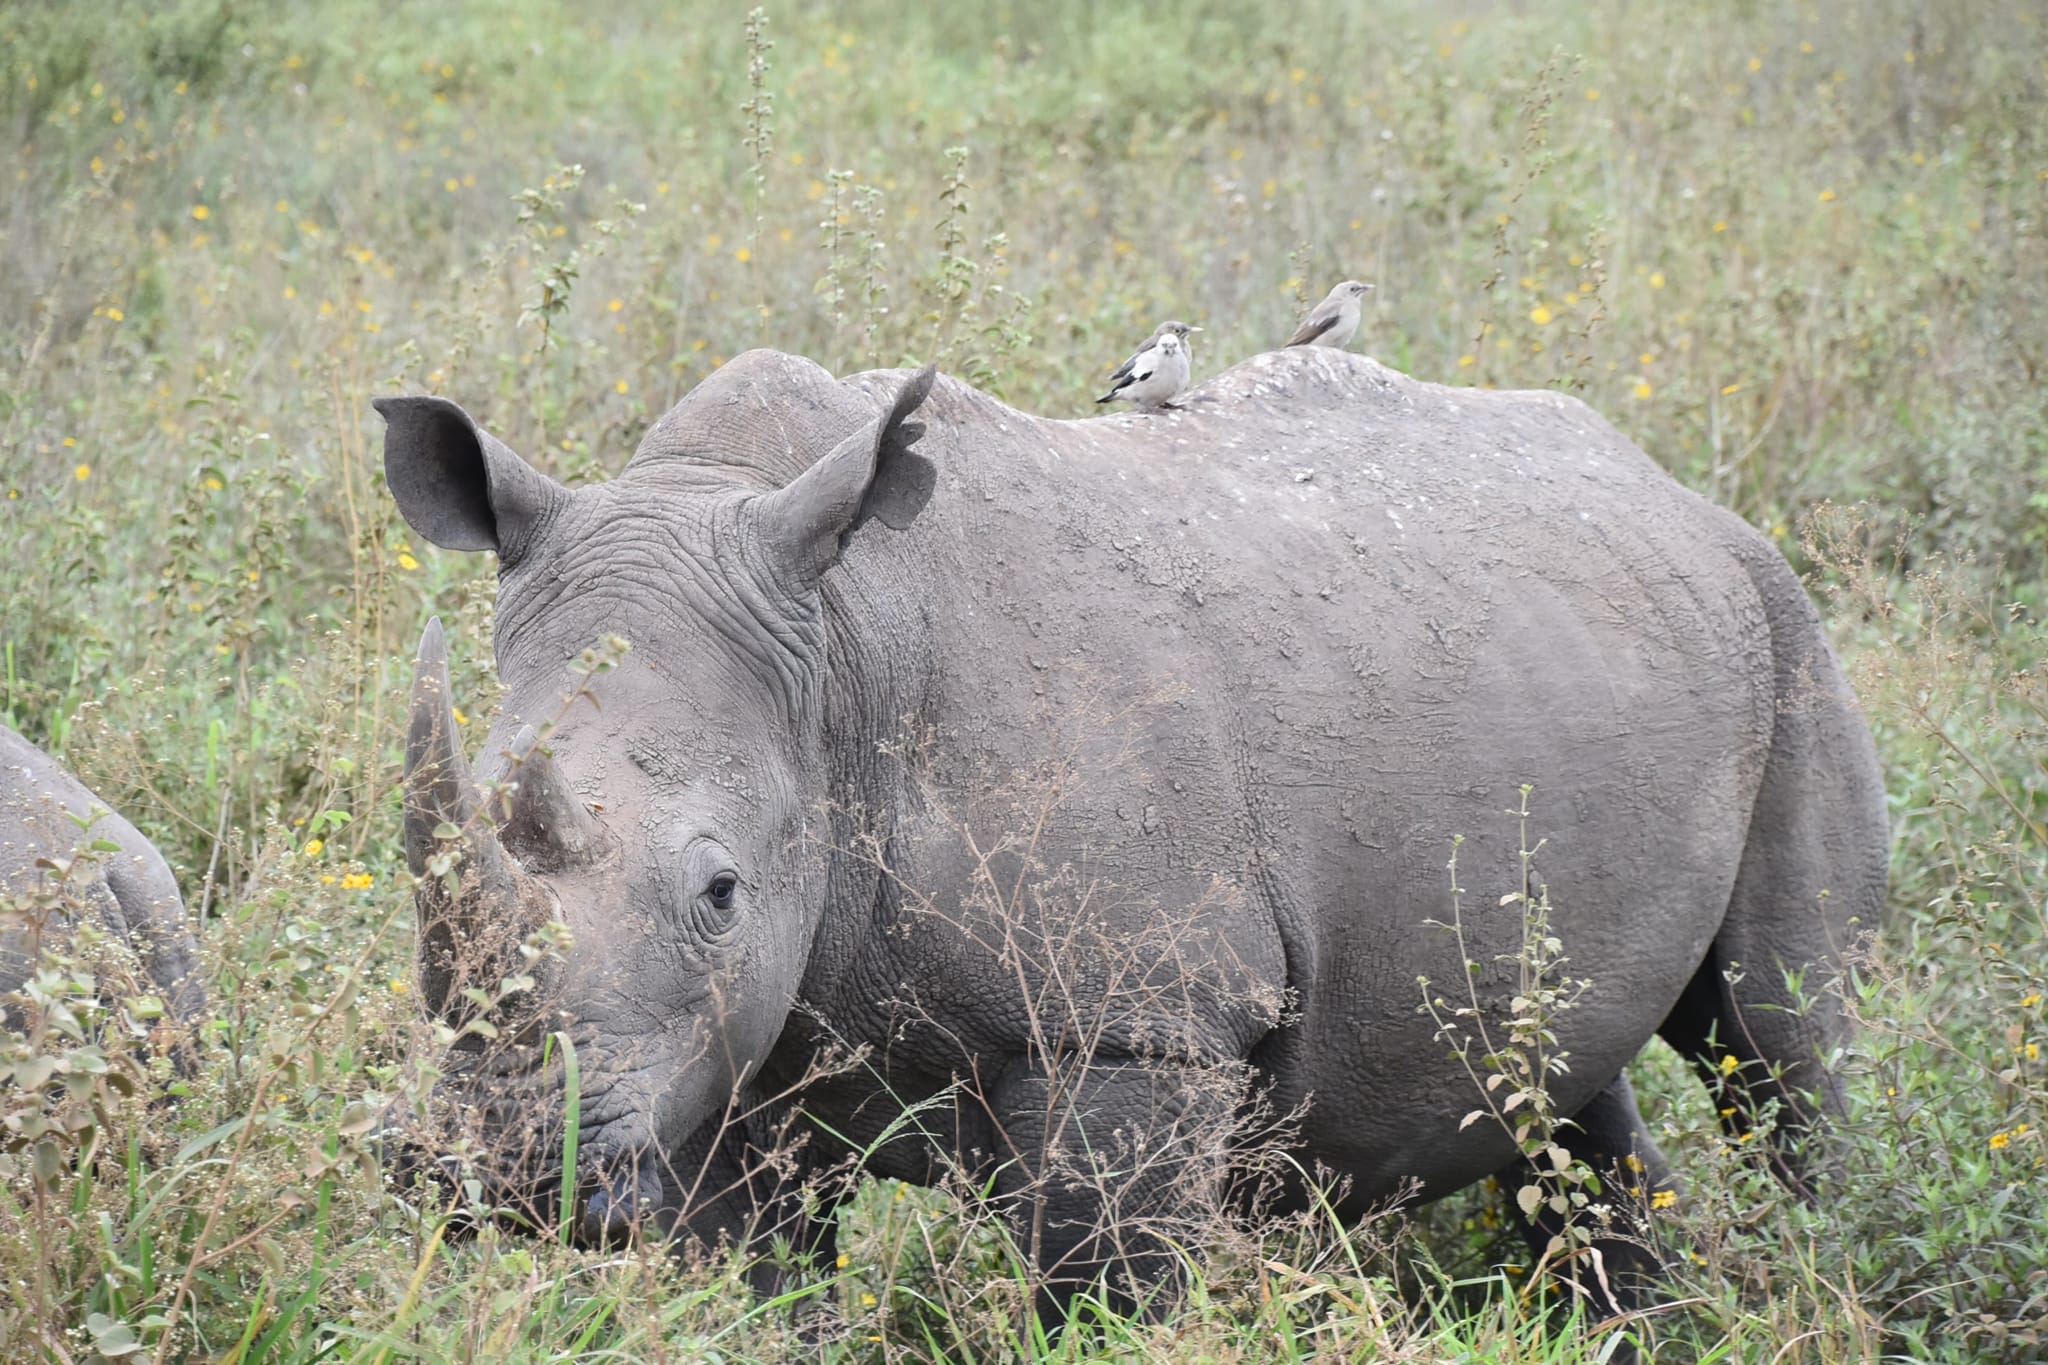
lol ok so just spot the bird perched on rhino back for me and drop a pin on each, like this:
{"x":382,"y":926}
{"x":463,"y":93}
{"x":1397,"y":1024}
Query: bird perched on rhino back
{"x":1334,"y":321}
{"x":1157,"y":370}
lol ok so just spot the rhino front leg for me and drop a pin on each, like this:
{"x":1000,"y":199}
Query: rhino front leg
{"x":744,"y":1183}
{"x":1111,"y":1164}
{"x":1618,"y":1270}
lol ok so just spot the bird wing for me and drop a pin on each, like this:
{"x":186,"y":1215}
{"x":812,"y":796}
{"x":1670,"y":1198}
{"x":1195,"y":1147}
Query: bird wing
{"x":1319,"y":321}
{"x":1137,"y":369}
{"x":1123,"y":371}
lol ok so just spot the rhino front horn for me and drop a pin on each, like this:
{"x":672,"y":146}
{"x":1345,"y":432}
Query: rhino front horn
{"x":471,"y":893}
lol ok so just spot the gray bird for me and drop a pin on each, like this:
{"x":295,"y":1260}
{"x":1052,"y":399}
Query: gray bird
{"x":1333,"y":321}
{"x":1157,"y":370}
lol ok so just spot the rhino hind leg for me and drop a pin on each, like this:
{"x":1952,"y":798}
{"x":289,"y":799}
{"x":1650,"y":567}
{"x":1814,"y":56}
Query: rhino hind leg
{"x":1757,"y":1051}
{"x":1761,"y":1015}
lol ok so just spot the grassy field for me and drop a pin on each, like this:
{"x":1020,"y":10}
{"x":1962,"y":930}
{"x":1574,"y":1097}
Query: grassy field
{"x":1796,"y":251}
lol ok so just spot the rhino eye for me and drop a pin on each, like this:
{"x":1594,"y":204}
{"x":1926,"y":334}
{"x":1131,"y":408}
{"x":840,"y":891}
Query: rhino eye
{"x":722,"y":890}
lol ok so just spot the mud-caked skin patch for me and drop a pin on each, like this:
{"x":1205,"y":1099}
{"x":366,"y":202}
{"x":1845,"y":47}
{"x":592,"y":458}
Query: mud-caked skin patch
{"x":1109,"y":770}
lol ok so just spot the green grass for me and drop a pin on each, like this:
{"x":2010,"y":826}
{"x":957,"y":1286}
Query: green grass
{"x":1796,"y":252}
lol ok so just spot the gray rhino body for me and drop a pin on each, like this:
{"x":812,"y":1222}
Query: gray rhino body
{"x":130,"y":891}
{"x":1140,"y":741}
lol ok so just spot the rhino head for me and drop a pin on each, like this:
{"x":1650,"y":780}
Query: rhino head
{"x":658,"y":810}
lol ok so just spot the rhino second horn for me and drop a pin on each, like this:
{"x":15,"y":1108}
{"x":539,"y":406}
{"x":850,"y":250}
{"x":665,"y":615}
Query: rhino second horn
{"x":438,"y":787}
{"x":543,"y":819}
{"x":492,"y":898}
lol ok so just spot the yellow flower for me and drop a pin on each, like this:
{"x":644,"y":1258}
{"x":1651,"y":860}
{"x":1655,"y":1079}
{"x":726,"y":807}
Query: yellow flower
{"x":1466,"y":361}
{"x":1647,"y":358}
{"x":867,"y":1300}
{"x":2032,"y":1052}
{"x":843,"y":1260}
{"x":357,"y":881}
{"x":742,"y":255}
{"x":1644,"y":388}
{"x":1727,"y":389}
{"x":116,"y":314}
{"x":1827,"y":196}
{"x":1657,"y":280}
{"x":82,"y":473}
{"x":1756,"y":64}
{"x":1999,"y":1140}
{"x":314,"y":847}
{"x":615,"y":305}
{"x":398,"y":986}
{"x":201,"y":212}
{"x":1663,"y":1199}
{"x":1728,"y":1065}
{"x":406,"y":561}
{"x":622,"y":386}
{"x":460,"y":717}
{"x":1592,"y":93}
{"x":2031,"y":1000}
{"x":1539,"y":315}
{"x":1720,"y":225}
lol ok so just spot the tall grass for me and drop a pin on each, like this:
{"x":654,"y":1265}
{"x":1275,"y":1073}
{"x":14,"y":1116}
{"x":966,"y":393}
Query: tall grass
{"x":1794,"y":250}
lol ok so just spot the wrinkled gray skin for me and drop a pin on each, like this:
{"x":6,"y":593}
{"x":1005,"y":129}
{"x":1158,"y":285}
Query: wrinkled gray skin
{"x":131,"y":892}
{"x":1282,"y":646}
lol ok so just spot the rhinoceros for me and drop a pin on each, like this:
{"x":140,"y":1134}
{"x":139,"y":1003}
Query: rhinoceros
{"x":1085,"y":786}
{"x":47,"y":816}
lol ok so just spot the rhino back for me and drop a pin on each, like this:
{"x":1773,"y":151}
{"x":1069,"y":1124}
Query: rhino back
{"x":1242,"y":673}
{"x":132,"y":890}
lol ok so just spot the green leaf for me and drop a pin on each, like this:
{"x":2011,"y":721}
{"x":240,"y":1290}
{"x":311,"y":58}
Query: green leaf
{"x":212,"y":1136}
{"x":112,"y":1337}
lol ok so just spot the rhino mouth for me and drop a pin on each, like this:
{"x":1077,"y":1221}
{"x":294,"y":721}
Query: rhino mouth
{"x":491,"y":1144}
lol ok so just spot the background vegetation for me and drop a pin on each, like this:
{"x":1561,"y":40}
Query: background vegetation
{"x":1796,"y":251}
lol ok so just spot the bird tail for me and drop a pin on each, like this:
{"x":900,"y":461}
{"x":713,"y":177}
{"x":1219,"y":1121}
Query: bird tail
{"x":1107,"y":397}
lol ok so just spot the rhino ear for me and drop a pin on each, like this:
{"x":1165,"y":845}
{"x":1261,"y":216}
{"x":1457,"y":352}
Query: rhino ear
{"x":458,"y":485}
{"x":872,"y":473}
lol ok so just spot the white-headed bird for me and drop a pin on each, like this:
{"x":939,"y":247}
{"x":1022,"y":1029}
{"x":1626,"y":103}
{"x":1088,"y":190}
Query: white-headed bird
{"x":1157,"y":370}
